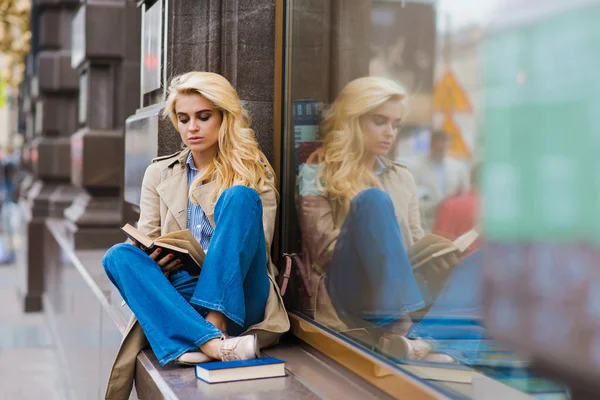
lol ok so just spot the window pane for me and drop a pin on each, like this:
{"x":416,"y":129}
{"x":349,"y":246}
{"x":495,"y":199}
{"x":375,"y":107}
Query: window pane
{"x":400,"y":114}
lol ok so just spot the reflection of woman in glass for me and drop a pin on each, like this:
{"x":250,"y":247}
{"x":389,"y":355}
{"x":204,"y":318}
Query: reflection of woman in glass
{"x":360,"y":211}
{"x":221,"y":189}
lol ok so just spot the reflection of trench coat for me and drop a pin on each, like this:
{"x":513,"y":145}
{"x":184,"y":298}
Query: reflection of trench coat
{"x":163,"y":209}
{"x":322,"y":220}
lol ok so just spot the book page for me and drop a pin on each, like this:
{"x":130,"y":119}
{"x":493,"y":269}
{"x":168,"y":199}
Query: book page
{"x":180,"y":238}
{"x":465,"y":241}
{"x":136,"y":235}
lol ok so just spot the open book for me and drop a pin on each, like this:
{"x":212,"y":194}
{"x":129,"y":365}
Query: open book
{"x":433,"y":246}
{"x":181,"y":244}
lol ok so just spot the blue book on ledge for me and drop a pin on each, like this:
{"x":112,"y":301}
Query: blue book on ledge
{"x":229,"y":371}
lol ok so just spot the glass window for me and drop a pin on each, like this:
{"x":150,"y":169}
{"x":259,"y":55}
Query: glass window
{"x":399,"y":115}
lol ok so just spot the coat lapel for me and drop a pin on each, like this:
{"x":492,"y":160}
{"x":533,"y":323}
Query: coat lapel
{"x":174,"y":192}
{"x":204,"y":196}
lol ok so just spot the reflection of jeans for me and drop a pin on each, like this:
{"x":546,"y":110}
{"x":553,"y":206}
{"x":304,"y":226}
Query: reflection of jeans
{"x":370,"y":276}
{"x":233,"y":281}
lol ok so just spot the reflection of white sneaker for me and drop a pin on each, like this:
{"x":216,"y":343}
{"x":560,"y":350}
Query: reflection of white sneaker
{"x":239,"y":348}
{"x":440,"y":358}
{"x":399,"y":347}
{"x":418,"y":349}
{"x":192,"y":358}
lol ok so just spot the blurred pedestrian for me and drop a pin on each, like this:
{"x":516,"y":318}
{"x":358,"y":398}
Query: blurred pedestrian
{"x":438,"y":177}
{"x":9,"y":171}
{"x":9,"y":166}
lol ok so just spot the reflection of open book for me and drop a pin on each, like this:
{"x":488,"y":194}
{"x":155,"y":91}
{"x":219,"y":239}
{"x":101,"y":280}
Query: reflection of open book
{"x":181,"y":244}
{"x":433,"y":246}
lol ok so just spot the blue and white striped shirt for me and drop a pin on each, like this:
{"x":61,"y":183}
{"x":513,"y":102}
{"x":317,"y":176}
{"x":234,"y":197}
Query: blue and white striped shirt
{"x":197,"y":221}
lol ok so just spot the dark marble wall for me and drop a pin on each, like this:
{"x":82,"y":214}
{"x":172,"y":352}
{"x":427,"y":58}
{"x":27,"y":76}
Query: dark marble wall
{"x":169,"y":140}
{"x":235,"y":38}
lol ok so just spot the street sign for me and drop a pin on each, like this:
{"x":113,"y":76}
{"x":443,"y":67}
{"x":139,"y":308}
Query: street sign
{"x":449,"y":96}
{"x":458,"y":148}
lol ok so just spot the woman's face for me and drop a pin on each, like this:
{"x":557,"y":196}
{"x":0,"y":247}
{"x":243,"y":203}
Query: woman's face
{"x":198,"y":122}
{"x":380,"y":127}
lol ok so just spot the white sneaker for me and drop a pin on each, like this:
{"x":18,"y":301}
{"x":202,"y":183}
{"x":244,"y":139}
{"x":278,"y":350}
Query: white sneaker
{"x":239,"y":348}
{"x":192,"y":358}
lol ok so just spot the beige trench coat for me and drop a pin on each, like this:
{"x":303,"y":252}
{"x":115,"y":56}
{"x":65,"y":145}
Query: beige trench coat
{"x":163,"y":209}
{"x":322,"y":219}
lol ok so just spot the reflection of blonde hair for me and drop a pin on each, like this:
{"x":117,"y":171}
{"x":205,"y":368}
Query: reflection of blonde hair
{"x":344,"y":174}
{"x":238,"y":160}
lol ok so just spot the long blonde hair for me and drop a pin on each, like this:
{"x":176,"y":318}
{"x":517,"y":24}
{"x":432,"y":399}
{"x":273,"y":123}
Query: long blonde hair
{"x":344,"y":174}
{"x":238,"y":160}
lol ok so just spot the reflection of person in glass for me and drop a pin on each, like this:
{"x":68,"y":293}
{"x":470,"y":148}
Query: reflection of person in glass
{"x":438,"y":177}
{"x":221,"y":188}
{"x":360,"y":214}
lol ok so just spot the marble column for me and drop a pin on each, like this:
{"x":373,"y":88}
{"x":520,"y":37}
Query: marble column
{"x":51,"y":107}
{"x":106,"y":54}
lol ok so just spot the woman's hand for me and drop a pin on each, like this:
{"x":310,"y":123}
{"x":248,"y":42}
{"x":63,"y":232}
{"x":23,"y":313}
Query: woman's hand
{"x":437,"y":271}
{"x":444,"y":263}
{"x":167,"y":263}
{"x":441,"y":267}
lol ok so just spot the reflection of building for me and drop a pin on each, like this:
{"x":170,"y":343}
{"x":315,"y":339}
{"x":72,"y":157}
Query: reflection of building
{"x":460,"y":54}
{"x":403,"y":49}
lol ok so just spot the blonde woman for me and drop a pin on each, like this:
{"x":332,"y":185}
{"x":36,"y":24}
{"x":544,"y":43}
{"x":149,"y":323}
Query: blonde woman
{"x":360,"y":212}
{"x":221,"y":188}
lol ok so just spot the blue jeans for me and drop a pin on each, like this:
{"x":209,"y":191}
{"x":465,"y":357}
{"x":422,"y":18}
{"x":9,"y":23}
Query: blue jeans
{"x":234,"y":281}
{"x":370,"y":277}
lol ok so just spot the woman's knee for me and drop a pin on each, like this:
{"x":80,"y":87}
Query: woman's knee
{"x":117,"y":257}
{"x":372,"y":199}
{"x":239,"y":193}
{"x":238,"y":197}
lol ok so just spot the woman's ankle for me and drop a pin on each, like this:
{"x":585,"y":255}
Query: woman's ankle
{"x":219,"y":320}
{"x":211,"y":348}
